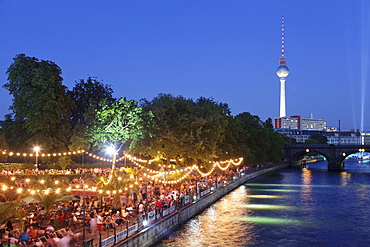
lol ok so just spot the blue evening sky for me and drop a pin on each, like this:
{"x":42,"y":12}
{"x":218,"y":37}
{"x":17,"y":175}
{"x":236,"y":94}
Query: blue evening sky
{"x":228,"y":50}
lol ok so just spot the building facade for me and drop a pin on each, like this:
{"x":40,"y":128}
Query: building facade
{"x":336,"y":138}
{"x":298,"y":123}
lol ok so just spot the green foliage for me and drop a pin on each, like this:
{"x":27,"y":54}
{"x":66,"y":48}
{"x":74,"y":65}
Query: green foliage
{"x":64,"y":162}
{"x":49,"y":198}
{"x":46,"y":194}
{"x":3,"y":146}
{"x":12,"y":209}
{"x":46,"y":114}
{"x":211,"y":129}
{"x":41,"y":107}
{"x":16,"y":134}
{"x":289,"y":140}
{"x":79,"y":138}
{"x":262,"y":143}
{"x":255,"y":138}
{"x":133,"y":172}
{"x":116,"y":123}
{"x":275,"y":144}
{"x":183,"y":128}
{"x":88,"y":94}
{"x":234,"y":143}
{"x":317,"y":139}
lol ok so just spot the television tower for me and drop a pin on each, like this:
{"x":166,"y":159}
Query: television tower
{"x":282,"y":71}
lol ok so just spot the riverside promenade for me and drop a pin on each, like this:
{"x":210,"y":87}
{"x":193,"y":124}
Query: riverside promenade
{"x":152,"y":227}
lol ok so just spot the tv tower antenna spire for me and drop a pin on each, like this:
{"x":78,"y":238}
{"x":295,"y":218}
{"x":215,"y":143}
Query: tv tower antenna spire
{"x":282,"y":71}
{"x":282,"y":36}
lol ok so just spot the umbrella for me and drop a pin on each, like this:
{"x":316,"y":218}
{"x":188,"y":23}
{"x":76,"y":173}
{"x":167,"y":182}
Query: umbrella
{"x":32,"y":199}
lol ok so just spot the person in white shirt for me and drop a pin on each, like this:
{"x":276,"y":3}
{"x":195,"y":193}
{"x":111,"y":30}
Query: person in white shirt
{"x":141,"y":209}
{"x":99,"y":221}
{"x":65,"y":241}
{"x":94,"y":225}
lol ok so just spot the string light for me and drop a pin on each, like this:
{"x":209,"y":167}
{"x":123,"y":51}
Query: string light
{"x":10,"y":153}
{"x":222,"y":165}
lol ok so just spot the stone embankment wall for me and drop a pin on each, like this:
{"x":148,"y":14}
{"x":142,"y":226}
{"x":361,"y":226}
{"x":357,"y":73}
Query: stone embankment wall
{"x":156,"y":232}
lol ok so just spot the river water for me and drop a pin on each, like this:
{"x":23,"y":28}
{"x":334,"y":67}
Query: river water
{"x":293,"y":207}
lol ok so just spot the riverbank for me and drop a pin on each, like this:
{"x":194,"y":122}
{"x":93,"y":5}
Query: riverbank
{"x":156,"y":231}
{"x":292,"y":207}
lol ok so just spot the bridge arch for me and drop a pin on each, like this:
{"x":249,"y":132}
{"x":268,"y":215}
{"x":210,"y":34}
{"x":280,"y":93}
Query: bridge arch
{"x":298,"y":157}
{"x":334,"y":154}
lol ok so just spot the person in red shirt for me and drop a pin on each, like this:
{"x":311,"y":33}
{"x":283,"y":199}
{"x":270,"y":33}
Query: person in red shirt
{"x":159,"y":204}
{"x":31,"y":232}
{"x":61,"y":219}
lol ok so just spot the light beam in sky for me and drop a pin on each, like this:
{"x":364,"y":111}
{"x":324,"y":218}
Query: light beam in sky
{"x":364,"y":59}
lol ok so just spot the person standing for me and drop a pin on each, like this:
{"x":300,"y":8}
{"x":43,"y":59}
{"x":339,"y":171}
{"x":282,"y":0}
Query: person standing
{"x":99,"y":221}
{"x":94,"y":225}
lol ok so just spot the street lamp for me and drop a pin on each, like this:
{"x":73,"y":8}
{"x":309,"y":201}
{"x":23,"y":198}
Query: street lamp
{"x":36,"y":149}
{"x":362,"y":150}
{"x":111,"y":150}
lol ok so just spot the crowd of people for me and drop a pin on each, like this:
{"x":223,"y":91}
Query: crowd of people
{"x":73,"y":221}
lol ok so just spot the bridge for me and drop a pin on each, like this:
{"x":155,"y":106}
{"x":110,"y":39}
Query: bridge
{"x":334,"y":154}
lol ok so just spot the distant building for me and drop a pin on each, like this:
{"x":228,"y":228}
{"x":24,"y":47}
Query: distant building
{"x":298,"y":123}
{"x":344,"y":137}
{"x":302,"y":128}
{"x":366,"y":138}
{"x":336,"y":138}
{"x":287,"y":123}
{"x":331,"y":129}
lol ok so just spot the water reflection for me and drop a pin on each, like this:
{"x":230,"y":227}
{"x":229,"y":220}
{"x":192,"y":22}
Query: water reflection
{"x":308,"y":207}
{"x":289,"y":185}
{"x":265,"y":196}
{"x":219,"y":222}
{"x":275,"y":190}
{"x":267,"y":206}
{"x":345,"y":178}
{"x":306,"y":194}
{"x":271,"y":220}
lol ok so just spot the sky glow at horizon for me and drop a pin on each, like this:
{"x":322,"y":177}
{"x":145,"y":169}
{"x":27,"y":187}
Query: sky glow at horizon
{"x":228,"y":50}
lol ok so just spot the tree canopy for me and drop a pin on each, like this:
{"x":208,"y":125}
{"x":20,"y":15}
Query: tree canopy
{"x":40,"y":102}
{"x":116,"y":123}
{"x":88,"y":94}
{"x":183,"y":128}
{"x":317,"y":139}
{"x":167,"y":127}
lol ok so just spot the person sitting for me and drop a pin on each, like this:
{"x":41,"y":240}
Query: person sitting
{"x":49,"y":229}
{"x":55,"y":239}
{"x":39,"y":243}
{"x":31,"y":232}
{"x":13,"y":240}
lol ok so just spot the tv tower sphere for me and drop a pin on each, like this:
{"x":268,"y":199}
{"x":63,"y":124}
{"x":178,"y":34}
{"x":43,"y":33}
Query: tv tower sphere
{"x":282,"y":71}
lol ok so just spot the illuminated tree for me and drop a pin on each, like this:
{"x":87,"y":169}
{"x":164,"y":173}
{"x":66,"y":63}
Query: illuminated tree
{"x":87,"y":97}
{"x":115,"y":124}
